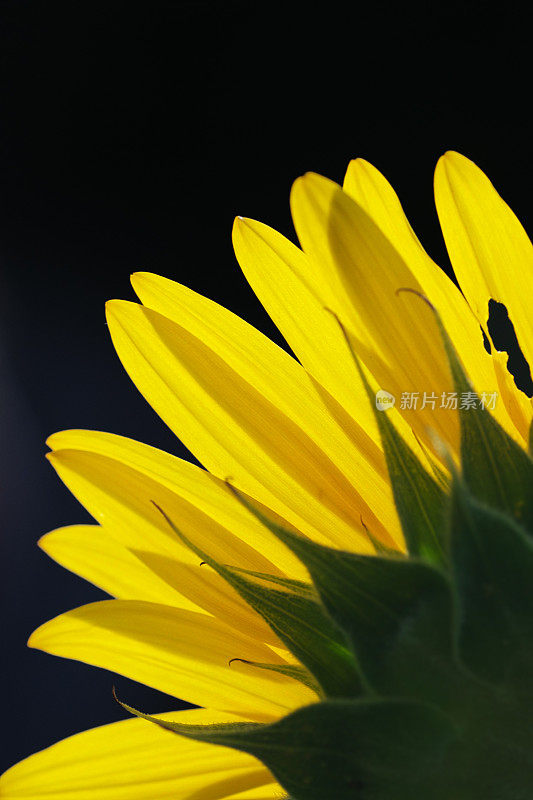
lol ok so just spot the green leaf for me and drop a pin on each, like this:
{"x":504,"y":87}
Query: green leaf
{"x":301,"y":623}
{"x":492,"y":567}
{"x":420,"y":500}
{"x":346,"y":750}
{"x":396,"y":613}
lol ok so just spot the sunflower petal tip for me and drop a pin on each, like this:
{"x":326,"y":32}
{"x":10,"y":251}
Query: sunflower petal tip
{"x":141,"y":280}
{"x":301,"y":186}
{"x":442,"y":165}
{"x":115,"y":308}
{"x":50,"y":440}
{"x":238,"y":229}
{"x":452,"y":158}
{"x":301,"y":180}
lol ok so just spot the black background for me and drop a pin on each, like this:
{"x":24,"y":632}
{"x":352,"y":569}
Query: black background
{"x":130,"y":136}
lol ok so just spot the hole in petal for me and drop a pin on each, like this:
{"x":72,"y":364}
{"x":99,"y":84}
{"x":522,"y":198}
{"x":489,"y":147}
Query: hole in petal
{"x":503,"y":336}
{"x":486,"y":341}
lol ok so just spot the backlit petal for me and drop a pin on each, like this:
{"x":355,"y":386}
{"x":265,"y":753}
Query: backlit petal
{"x":272,"y":791}
{"x":279,"y":274}
{"x":182,"y":653}
{"x":490,"y":251}
{"x":286,"y":450}
{"x":93,"y":554}
{"x":400,"y":343}
{"x":134,"y":760}
{"x":376,"y":196}
{"x":279,"y":378}
{"x":122,"y":500}
{"x":198,"y":494}
{"x":278,"y":271}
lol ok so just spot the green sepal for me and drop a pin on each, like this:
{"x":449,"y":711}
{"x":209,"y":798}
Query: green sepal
{"x":199,"y":732}
{"x":294,"y":586}
{"x":397,"y":614}
{"x":420,"y":500}
{"x":294,"y":671}
{"x":300,"y":622}
{"x":381,"y":548}
{"x":492,"y":570}
{"x":442,"y":478}
{"x":495,"y":468}
{"x":342,"y":749}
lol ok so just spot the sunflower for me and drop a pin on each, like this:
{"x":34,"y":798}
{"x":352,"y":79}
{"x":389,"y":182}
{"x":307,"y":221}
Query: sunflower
{"x":298,"y":441}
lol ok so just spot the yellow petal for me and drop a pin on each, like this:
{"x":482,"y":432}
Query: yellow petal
{"x":279,"y":274}
{"x":134,"y":760}
{"x":182,"y":653}
{"x":280,"y":379}
{"x":490,"y":251}
{"x":516,"y":403}
{"x":93,"y":554}
{"x":322,"y":275}
{"x":367,"y":186}
{"x":277,"y":271}
{"x":374,"y":194}
{"x":269,"y":433}
{"x":274,"y":374}
{"x":400,"y":342}
{"x":271,"y":791}
{"x":197,"y":495}
{"x":209,"y":592}
{"x":122,"y":500}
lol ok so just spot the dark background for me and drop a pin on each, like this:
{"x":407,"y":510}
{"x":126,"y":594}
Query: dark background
{"x":130,"y":136}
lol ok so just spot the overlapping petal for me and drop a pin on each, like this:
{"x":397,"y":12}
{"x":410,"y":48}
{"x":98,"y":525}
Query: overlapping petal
{"x":279,"y":378}
{"x":125,"y":574}
{"x":400,"y":343}
{"x":372,"y":192}
{"x":92,"y":553}
{"x":279,"y":272}
{"x":183,"y":653}
{"x":138,"y":539}
{"x":134,"y":476}
{"x":266,"y":429}
{"x":491,"y":253}
{"x":269,"y":792}
{"x":133,"y":760}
